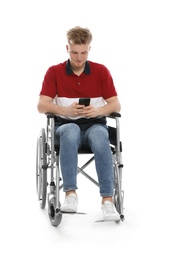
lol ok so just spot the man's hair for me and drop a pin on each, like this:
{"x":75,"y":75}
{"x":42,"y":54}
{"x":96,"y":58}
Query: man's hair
{"x":79,"y":35}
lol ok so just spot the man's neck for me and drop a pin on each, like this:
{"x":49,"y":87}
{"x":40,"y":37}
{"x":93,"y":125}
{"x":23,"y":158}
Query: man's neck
{"x":78,"y":71}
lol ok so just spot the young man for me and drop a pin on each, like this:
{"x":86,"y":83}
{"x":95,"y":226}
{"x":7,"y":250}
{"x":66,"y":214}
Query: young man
{"x":63,"y":85}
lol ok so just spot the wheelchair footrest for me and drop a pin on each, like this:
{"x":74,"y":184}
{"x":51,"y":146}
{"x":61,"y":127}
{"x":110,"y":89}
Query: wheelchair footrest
{"x":64,"y":212}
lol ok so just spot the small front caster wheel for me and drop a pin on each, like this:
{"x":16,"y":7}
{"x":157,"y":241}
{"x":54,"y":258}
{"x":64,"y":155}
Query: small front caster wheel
{"x":54,"y":215}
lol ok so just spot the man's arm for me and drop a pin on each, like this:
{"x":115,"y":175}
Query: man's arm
{"x":46,"y":105}
{"x":113,"y":105}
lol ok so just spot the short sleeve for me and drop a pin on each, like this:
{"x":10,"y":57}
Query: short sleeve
{"x":49,"y":84}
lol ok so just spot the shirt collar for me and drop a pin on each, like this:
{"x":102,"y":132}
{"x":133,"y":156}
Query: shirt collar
{"x":69,"y":70}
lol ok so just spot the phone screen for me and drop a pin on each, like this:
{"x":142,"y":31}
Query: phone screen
{"x":84,"y":101}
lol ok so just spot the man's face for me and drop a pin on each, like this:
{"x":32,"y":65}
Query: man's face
{"x":78,"y":54}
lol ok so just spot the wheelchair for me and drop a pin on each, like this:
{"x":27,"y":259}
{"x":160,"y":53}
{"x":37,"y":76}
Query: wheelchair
{"x":48,"y":172}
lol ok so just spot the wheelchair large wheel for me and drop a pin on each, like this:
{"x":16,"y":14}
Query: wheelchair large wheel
{"x":41,"y":169}
{"x":55,"y":217}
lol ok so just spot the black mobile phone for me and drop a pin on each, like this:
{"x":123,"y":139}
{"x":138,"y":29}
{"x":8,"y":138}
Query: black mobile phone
{"x":84,"y":101}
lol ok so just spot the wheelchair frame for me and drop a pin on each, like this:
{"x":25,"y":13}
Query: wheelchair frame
{"x":47,"y":158}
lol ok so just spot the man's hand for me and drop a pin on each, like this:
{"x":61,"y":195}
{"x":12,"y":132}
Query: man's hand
{"x":89,"y":111}
{"x":74,"y":110}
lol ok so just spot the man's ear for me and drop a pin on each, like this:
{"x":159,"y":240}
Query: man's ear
{"x":67,"y":47}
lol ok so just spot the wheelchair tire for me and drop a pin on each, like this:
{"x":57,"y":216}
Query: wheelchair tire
{"x":41,"y":169}
{"x":54,"y":217}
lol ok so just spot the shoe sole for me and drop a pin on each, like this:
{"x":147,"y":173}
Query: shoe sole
{"x":112,"y":219}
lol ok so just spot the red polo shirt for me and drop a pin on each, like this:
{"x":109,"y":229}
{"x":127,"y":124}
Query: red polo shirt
{"x":65,"y":87}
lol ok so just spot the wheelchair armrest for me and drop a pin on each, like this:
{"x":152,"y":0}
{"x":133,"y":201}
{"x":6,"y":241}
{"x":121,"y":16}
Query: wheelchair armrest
{"x":50,"y":115}
{"x":114,"y":115}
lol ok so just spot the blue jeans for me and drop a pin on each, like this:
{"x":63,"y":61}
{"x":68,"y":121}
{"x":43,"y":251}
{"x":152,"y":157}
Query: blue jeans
{"x":70,"y":138}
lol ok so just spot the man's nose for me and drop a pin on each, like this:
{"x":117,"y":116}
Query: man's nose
{"x":79,"y":56}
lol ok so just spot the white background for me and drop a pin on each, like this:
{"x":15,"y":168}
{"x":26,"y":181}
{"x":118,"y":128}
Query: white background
{"x":135,"y":40}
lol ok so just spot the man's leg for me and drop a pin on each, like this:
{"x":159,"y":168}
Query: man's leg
{"x":98,"y":139}
{"x":69,"y":139}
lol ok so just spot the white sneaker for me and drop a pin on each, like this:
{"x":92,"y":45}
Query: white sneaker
{"x":109,"y":211}
{"x":70,"y":204}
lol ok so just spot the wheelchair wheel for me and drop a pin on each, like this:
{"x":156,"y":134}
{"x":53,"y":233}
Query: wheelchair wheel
{"x":41,"y":169}
{"x":54,"y":216}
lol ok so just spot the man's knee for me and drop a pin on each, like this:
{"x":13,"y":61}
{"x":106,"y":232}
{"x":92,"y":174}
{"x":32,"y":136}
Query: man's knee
{"x":98,"y":132}
{"x":69,"y":131}
{"x":98,"y":137}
